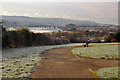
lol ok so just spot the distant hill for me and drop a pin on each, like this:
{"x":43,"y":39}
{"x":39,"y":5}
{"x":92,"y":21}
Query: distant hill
{"x":20,"y":21}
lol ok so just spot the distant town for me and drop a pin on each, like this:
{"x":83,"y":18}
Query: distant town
{"x":69,"y":27}
{"x":27,"y":31}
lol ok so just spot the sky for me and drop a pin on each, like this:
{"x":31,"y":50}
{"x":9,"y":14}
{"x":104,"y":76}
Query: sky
{"x":99,"y":11}
{"x":60,"y":0}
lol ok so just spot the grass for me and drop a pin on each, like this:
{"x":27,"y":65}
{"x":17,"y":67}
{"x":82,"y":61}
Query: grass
{"x":22,"y":65}
{"x":101,"y":51}
{"x":98,"y":52}
{"x":108,"y":73}
{"x":19,"y":67}
{"x":111,"y":73}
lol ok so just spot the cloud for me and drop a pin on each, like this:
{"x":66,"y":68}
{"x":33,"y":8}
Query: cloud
{"x":60,"y":0}
{"x":104,"y":12}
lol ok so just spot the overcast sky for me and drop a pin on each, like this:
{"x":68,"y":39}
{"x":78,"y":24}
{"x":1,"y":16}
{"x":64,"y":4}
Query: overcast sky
{"x":103,"y":12}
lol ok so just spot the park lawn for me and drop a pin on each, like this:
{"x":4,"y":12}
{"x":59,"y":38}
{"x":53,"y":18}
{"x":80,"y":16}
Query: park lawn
{"x":22,"y":65}
{"x":98,"y":52}
{"x":112,"y":73}
{"x":19,"y":67}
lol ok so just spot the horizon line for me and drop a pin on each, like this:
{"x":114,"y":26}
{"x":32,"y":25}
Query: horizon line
{"x":59,"y":18}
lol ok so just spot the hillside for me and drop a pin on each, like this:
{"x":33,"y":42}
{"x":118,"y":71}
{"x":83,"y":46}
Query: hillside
{"x":19,"y":21}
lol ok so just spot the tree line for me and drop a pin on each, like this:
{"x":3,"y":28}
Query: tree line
{"x":23,"y":37}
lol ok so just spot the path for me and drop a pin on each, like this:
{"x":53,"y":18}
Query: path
{"x":62,"y":64}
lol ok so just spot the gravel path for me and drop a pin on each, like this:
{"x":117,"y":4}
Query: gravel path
{"x":61,"y":63}
{"x":18,"y":52}
{"x":20,"y":62}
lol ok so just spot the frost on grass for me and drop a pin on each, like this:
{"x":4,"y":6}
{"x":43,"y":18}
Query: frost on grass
{"x":98,"y":52}
{"x":112,"y":72}
{"x":19,"y":67}
{"x":20,"y":62}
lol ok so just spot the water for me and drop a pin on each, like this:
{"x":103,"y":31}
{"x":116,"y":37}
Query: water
{"x":39,"y":29}
{"x":44,"y":30}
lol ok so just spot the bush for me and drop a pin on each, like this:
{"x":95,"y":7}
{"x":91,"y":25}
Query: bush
{"x":23,"y":37}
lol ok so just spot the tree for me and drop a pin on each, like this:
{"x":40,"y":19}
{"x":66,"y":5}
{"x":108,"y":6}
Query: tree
{"x":117,"y":37}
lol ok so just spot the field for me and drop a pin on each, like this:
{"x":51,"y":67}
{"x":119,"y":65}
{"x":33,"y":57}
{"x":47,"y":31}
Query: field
{"x":101,"y":52}
{"x":21,"y":62}
{"x":19,"y":67}
{"x":98,"y":52}
{"x":108,"y":72}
